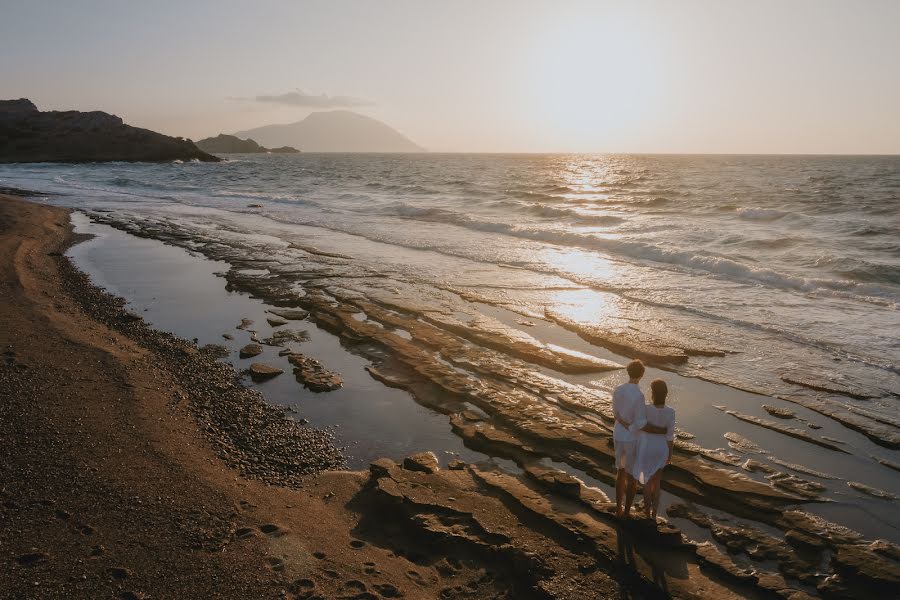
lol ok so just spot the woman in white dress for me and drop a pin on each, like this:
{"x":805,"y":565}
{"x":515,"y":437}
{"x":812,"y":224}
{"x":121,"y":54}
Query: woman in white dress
{"x":655,"y":449}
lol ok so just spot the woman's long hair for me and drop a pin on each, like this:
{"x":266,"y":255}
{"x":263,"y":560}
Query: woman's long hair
{"x":658,"y":392}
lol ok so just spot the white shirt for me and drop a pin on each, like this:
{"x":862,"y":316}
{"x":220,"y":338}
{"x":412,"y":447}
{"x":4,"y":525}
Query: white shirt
{"x":628,"y":403}
{"x":662,"y":416}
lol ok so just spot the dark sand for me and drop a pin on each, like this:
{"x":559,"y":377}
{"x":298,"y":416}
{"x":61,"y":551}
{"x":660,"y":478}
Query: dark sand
{"x":133,"y":465}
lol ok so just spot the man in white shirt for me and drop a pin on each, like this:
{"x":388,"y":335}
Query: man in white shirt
{"x":629,"y":411}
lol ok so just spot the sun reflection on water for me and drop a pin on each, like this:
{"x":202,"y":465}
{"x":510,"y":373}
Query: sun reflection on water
{"x":583,"y":264}
{"x":585,"y":306}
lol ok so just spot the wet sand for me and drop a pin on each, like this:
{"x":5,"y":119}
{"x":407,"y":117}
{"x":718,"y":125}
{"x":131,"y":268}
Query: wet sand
{"x":423,"y":531}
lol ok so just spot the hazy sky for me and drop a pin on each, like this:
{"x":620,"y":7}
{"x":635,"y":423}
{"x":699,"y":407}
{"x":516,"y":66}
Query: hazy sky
{"x":786,"y":76}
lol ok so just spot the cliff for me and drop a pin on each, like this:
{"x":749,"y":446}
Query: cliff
{"x":228,"y":144}
{"x":29,"y":135}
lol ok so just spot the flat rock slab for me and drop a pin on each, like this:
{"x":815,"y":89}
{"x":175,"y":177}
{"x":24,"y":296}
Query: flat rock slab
{"x":250,"y":350}
{"x":285,"y":336}
{"x":494,"y":334}
{"x":276,"y":321}
{"x":425,"y":462}
{"x":781,"y":413}
{"x":889,"y":464}
{"x":801,"y":468}
{"x":742,"y":444}
{"x":312,"y":374}
{"x":555,"y":480}
{"x":789,"y":431}
{"x":821,"y":384}
{"x":262,"y":371}
{"x":291,"y":314}
{"x":871,"y":491}
{"x":879,"y":430}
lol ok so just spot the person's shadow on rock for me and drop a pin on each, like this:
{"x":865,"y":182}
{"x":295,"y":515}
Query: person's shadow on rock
{"x":659,"y":578}
{"x":625,"y":546}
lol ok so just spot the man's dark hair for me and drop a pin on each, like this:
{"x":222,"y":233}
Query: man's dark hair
{"x":635,"y":369}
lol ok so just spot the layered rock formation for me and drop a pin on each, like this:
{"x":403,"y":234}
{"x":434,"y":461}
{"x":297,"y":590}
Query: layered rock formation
{"x":229,"y":144}
{"x":542,"y":531}
{"x":30,"y":135}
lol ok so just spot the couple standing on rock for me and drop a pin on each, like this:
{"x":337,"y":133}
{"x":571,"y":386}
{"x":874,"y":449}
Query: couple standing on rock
{"x":643,"y":437}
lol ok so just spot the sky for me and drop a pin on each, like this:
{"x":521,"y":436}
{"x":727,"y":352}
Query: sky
{"x":692,"y":76}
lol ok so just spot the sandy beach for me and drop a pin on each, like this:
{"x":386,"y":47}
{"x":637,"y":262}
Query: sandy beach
{"x":135,"y":464}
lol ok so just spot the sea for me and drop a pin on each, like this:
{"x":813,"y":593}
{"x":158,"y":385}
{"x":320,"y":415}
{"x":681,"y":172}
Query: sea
{"x":745,"y":281}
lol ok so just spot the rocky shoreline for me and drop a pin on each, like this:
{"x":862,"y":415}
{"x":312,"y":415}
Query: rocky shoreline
{"x":260,"y":440}
{"x":249,"y":495}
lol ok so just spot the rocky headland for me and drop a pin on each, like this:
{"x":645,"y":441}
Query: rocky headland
{"x":30,"y":135}
{"x":230,"y":144}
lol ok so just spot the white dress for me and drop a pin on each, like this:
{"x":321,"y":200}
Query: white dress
{"x":653,"y":450}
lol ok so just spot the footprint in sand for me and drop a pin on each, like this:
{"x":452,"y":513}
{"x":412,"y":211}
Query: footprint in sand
{"x":386,"y":590}
{"x":416,"y":577}
{"x":273,"y":530}
{"x":118,"y":573}
{"x":32,"y":558}
{"x":275,"y":563}
{"x":355,"y":584}
{"x":303,"y":587}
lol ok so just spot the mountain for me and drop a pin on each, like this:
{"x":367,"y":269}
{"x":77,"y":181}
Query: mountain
{"x":29,"y":135}
{"x":334,"y":131}
{"x":228,"y":144}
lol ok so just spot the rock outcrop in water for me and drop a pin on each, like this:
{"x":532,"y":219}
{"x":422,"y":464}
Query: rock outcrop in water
{"x":229,"y":144}
{"x":30,"y":135}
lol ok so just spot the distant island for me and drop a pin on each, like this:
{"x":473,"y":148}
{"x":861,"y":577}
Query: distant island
{"x":229,"y":144}
{"x":30,"y":135}
{"x":334,"y":131}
